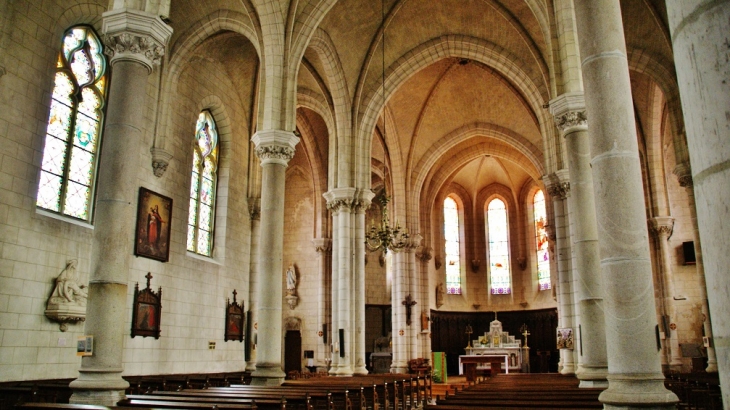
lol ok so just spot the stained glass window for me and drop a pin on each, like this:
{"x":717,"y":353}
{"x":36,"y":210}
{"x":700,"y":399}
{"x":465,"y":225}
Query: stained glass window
{"x":203,"y":183}
{"x":497,"y":228}
{"x":453,"y":248}
{"x":541,"y":241}
{"x":70,"y":154}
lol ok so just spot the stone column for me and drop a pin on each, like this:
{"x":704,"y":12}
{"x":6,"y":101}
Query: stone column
{"x":699,"y":36}
{"x":414,"y":290}
{"x":340,"y":202}
{"x":323,"y":246}
{"x":558,"y":188}
{"x":400,"y":341}
{"x":570,"y":117}
{"x":254,"y":209}
{"x":684,"y":176}
{"x":635,"y":377}
{"x":360,"y":206}
{"x":662,"y":227}
{"x":135,"y":41}
{"x":275,"y":148}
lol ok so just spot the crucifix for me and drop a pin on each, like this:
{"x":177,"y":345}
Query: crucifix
{"x":408,"y":303}
{"x":148,"y":276}
{"x":525,"y":332}
{"x":468,"y":332}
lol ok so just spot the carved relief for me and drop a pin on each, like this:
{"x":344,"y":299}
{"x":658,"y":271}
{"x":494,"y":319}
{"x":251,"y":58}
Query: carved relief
{"x":68,"y":300}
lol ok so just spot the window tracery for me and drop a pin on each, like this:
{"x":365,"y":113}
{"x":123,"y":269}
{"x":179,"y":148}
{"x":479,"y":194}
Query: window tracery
{"x":203,"y":182}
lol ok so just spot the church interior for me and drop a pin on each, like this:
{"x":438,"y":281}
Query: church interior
{"x":290,"y":187}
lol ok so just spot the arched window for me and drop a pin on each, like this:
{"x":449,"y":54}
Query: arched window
{"x":499,"y":268}
{"x":453,"y":248}
{"x":541,"y":241}
{"x":70,"y":154}
{"x":202,"y":186}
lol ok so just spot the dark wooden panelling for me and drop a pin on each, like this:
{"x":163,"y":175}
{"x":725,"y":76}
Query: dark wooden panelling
{"x":448,"y":333}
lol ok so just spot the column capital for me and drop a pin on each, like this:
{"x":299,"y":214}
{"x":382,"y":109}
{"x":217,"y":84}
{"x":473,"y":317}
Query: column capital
{"x":160,"y":160}
{"x":413,"y":243}
{"x":662,"y":225}
{"x":275,"y":146}
{"x":362,"y":201}
{"x":322,"y":245}
{"x":683,"y":171}
{"x":557,"y":184}
{"x":569,"y":111}
{"x":340,"y":199}
{"x":134,"y":35}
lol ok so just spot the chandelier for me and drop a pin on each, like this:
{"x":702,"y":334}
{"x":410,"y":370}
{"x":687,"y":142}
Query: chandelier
{"x":386,"y":238}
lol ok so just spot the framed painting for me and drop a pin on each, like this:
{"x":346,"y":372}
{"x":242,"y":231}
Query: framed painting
{"x":152,"y":233}
{"x":234,"y":320}
{"x":147,"y":311}
{"x":565,"y":338}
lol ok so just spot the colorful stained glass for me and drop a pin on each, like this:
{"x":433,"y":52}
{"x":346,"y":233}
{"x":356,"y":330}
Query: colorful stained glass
{"x":70,"y":152}
{"x":202,"y":186}
{"x":498,"y":238}
{"x":453,"y":247}
{"x":541,"y":241}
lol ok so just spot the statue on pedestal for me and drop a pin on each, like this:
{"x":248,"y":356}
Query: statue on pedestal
{"x":68,"y":300}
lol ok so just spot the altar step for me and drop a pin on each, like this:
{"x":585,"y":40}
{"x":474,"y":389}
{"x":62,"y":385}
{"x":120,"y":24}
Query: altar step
{"x":518,"y":391}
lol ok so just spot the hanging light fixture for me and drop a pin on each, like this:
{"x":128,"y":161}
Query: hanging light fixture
{"x":385,"y":237}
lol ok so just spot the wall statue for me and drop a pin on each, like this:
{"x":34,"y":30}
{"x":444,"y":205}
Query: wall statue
{"x":68,"y":300}
{"x":440,"y":291}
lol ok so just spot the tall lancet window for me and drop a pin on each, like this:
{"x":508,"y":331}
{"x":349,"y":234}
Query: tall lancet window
{"x":70,"y":154}
{"x":541,"y":241}
{"x":497,"y":228}
{"x":202,"y":186}
{"x":453,"y":246}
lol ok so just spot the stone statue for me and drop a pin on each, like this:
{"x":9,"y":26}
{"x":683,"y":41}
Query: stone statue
{"x":440,"y":291}
{"x":68,"y":290}
{"x":291,"y":281}
{"x":68,"y":300}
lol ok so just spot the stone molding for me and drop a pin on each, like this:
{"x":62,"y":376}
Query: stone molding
{"x":160,"y":161}
{"x":569,"y":111}
{"x":134,"y":35}
{"x":275,"y":146}
{"x":662,"y":225}
{"x":684,"y":175}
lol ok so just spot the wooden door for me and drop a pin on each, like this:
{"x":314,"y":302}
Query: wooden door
{"x":292,"y":351}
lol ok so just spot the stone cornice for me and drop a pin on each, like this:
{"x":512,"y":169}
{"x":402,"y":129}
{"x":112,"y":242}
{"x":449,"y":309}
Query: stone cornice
{"x":134,"y":35}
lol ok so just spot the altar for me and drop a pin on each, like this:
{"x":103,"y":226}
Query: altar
{"x":495,"y":347}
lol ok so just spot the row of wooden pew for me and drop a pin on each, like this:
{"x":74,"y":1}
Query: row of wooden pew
{"x":376,"y":392}
{"x":521,"y":391}
{"x":696,"y":391}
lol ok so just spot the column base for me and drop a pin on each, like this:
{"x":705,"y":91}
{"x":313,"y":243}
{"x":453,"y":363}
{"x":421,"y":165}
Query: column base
{"x":267,"y":376}
{"x":592,"y":376}
{"x":360,"y":371}
{"x":637,"y":391}
{"x":567,"y":368}
{"x":711,"y":367}
{"x":102,"y":387}
{"x":343,"y":371}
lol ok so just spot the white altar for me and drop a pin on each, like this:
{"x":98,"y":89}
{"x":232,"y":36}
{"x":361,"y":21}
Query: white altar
{"x":496,"y":343}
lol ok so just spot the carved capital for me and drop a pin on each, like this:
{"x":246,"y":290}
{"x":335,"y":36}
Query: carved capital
{"x":322,"y":245}
{"x":275,"y":146}
{"x":134,"y":35}
{"x":662,"y":226}
{"x":684,"y":175}
{"x":559,"y":190}
{"x":550,"y":230}
{"x":254,"y":208}
{"x":571,"y":120}
{"x":341,"y":199}
{"x":160,"y":161}
{"x":425,"y":253}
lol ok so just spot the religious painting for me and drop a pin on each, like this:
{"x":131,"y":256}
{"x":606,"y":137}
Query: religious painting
{"x":234,"y":320}
{"x":565,"y":338}
{"x":147,"y":311}
{"x":152,"y":235}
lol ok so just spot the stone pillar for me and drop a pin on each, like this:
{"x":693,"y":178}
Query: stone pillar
{"x":414,"y":329}
{"x":699,"y":36}
{"x":340,"y":202}
{"x":135,"y":41}
{"x":275,"y":148}
{"x":360,"y":206}
{"x":635,"y":377}
{"x":662,"y":227}
{"x":323,"y":246}
{"x":684,"y":176}
{"x":254,"y":210}
{"x":558,"y":188}
{"x":400,"y":341}
{"x":570,"y":117}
